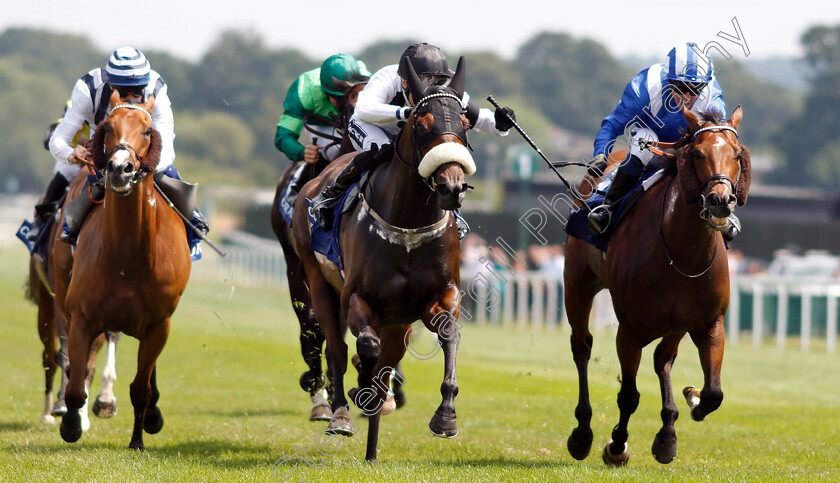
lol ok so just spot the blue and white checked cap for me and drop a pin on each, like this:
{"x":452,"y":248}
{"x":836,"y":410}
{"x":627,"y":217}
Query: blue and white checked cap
{"x":686,"y":65}
{"x":128,"y":66}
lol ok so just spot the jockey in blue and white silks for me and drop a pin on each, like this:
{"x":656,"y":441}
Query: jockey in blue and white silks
{"x":651,"y":108}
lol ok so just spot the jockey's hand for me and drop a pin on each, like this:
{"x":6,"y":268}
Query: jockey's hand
{"x":80,"y":155}
{"x":597,"y":166}
{"x":310,"y":153}
{"x":504,"y":118}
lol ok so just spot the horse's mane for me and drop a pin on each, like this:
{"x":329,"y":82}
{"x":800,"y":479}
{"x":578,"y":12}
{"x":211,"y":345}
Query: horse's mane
{"x":100,"y":157}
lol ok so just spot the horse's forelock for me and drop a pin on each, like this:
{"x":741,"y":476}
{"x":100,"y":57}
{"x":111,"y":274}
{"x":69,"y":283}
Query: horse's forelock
{"x":98,"y":147}
{"x":687,"y":175}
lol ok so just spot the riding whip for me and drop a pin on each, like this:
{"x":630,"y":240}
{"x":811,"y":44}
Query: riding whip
{"x":539,"y":151}
{"x":195,"y":230}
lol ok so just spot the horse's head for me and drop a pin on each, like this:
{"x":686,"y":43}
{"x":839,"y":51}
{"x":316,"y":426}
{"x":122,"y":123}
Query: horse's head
{"x":438,"y":128}
{"x":714,"y":168}
{"x":125,"y":146}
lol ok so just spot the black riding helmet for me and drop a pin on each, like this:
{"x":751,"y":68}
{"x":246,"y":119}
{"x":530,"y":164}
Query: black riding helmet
{"x":429,"y":63}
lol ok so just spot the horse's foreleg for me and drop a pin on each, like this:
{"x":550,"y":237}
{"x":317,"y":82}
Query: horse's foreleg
{"x":393,"y":350}
{"x":105,"y":405}
{"x":665,"y":443}
{"x":710,"y":347}
{"x":325,"y":303}
{"x":60,"y":406}
{"x":616,"y":452}
{"x":578,"y":306}
{"x":143,"y":395}
{"x":78,"y":345}
{"x":49,"y":358}
{"x":442,"y":318}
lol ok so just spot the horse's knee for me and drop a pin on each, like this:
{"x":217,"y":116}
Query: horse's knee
{"x":628,"y":400}
{"x":449,"y":389}
{"x":367,"y":345}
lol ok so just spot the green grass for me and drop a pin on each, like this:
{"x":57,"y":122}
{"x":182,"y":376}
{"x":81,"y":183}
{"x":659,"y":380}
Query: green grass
{"x":233,"y":407}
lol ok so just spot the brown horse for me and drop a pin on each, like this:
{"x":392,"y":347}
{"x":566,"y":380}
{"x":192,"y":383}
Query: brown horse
{"x":130,"y":266}
{"x":666,"y":269}
{"x":400,"y":251}
{"x":312,"y":381}
{"x":52,"y":330}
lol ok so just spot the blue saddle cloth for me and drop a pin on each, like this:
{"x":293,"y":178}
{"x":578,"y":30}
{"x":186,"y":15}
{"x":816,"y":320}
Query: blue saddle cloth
{"x":578,"y":224}
{"x":326,"y":242}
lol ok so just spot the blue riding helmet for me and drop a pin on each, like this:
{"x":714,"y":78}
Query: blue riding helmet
{"x":685,"y":64}
{"x":128,"y":66}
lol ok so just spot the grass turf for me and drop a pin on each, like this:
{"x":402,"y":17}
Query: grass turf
{"x":234,"y":411}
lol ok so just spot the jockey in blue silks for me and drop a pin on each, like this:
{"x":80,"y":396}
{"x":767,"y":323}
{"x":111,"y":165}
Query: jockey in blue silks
{"x":651,"y":109}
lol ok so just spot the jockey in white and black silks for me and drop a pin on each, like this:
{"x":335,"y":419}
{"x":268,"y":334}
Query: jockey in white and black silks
{"x":381,"y":112}
{"x":128,"y":72}
{"x":651,"y":109}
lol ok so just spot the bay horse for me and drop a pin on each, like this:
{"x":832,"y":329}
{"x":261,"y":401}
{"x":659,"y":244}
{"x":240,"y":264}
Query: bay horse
{"x":401,"y":254}
{"x":313,"y":381}
{"x":667,"y":272}
{"x":52,"y":331}
{"x":130,"y":266}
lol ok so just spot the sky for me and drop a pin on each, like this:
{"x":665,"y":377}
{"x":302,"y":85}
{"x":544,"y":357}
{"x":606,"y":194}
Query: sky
{"x":322,"y":27}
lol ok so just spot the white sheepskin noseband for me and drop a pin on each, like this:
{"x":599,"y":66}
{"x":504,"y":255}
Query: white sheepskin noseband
{"x":441,"y":154}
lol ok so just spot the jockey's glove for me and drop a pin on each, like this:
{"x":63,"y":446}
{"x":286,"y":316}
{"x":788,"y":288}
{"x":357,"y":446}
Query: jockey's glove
{"x":597,"y":166}
{"x":504,"y":118}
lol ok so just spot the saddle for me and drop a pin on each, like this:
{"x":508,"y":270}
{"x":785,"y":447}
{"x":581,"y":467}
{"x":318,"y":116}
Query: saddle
{"x":578,"y":224}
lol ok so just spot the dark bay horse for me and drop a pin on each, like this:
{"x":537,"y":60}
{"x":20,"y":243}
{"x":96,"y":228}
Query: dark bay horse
{"x":667,"y":272}
{"x":313,"y":380}
{"x":401,"y":252}
{"x":52,"y":330}
{"x":130,"y":266}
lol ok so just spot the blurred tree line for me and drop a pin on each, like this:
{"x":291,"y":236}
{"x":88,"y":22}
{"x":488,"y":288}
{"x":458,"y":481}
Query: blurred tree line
{"x":228,"y":102}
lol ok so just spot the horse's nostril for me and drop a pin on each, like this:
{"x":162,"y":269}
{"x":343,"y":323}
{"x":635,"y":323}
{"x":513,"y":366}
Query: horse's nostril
{"x":443,"y":190}
{"x":128,"y":168}
{"x":731,"y":199}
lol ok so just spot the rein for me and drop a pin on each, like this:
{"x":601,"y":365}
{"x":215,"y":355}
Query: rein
{"x":665,"y":247}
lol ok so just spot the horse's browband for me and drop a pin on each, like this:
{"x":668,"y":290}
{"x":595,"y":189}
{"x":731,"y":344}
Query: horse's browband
{"x":131,"y":106}
{"x":714,"y":128}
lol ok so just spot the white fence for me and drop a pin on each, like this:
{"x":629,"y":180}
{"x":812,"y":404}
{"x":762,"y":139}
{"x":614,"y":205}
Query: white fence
{"x":760,"y":309}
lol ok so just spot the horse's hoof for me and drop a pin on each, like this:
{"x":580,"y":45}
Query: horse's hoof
{"x":692,"y":396}
{"x":105,"y":410}
{"x":59,"y":408}
{"x":613,"y":459}
{"x":388,"y":407}
{"x":321,"y":410}
{"x":579,"y":443}
{"x":444,"y":425}
{"x":664,"y":448}
{"x":340,"y":423}
{"x":47,"y":419}
{"x":136,"y":445}
{"x":71,"y":427}
{"x":153,"y":420}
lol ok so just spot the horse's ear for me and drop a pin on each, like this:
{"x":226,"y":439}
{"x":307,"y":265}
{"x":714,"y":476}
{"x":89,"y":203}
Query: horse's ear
{"x":736,"y":117}
{"x":460,"y":78}
{"x":98,"y":146}
{"x":687,"y":176}
{"x":115,"y":97}
{"x":743,"y":188}
{"x":416,"y":86}
{"x":694,"y":122}
{"x":150,"y":103}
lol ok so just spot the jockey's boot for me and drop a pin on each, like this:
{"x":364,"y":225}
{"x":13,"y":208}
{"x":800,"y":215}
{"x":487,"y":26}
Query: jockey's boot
{"x":599,"y":217}
{"x":199,"y":221}
{"x":325,"y":201}
{"x":49,"y":205}
{"x":183,"y":196}
{"x":461,"y":223}
{"x":77,"y":210}
{"x":732,"y":228}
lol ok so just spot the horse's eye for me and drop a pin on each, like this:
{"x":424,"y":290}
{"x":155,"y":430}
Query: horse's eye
{"x":148,"y":132}
{"x":698,"y":155}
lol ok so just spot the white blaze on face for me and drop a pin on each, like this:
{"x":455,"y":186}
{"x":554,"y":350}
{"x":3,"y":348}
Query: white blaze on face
{"x":120,"y":158}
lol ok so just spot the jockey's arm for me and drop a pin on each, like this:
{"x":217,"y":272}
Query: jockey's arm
{"x":373,"y":105}
{"x":481,"y":119}
{"x":164,"y":121}
{"x":634,"y":99}
{"x":74,"y":119}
